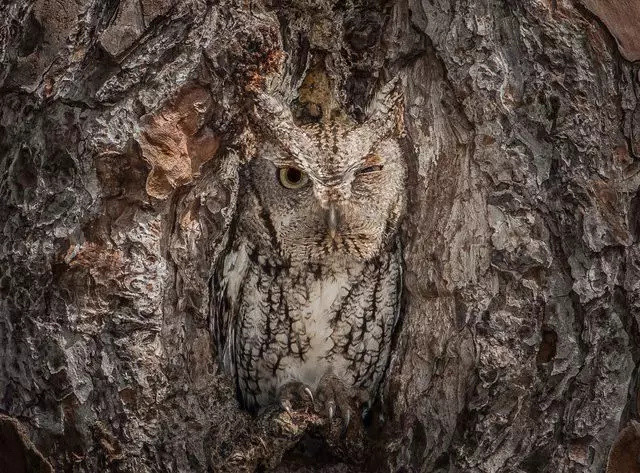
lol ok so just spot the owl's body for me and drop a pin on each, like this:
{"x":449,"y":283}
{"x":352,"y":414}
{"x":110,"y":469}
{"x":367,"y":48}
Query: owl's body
{"x":310,"y":285}
{"x":301,"y":323}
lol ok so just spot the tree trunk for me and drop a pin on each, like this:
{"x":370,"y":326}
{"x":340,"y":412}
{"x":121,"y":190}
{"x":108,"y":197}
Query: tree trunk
{"x":122,"y":123}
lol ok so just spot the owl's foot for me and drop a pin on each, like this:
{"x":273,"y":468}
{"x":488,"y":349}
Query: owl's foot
{"x":342,"y":405}
{"x":333,"y":412}
{"x":295,"y":396}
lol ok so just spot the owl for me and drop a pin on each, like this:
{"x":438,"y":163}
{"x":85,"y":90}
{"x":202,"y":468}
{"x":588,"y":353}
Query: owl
{"x":306,"y":296}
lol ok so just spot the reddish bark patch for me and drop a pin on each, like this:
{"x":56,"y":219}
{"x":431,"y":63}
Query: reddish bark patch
{"x":104,"y":261}
{"x":625,"y":451}
{"x":622,"y":18}
{"x":175,"y":141}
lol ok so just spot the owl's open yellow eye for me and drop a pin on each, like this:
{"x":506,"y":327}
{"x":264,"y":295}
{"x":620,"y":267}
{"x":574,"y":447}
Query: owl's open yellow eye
{"x":292,"y":178}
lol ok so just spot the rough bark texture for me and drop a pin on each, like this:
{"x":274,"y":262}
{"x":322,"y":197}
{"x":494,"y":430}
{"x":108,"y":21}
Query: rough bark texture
{"x":121,"y":126}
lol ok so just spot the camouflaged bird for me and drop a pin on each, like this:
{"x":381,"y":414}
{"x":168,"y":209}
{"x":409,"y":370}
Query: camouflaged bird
{"x":307,"y":295}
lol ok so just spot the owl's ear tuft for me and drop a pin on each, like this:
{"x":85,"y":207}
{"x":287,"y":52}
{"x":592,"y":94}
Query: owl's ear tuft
{"x":387,"y":107}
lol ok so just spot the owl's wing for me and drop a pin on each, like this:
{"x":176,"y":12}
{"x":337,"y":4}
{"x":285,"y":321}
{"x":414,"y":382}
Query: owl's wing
{"x":220,"y":316}
{"x":225,"y":302}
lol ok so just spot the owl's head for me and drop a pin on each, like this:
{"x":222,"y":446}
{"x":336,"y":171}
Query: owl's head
{"x":333,"y":190}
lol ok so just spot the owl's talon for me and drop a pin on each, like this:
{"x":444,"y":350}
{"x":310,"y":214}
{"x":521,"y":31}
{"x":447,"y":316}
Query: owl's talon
{"x":309,"y":393}
{"x":286,"y":405}
{"x":346,"y":419}
{"x":295,"y":396}
{"x":336,"y":399}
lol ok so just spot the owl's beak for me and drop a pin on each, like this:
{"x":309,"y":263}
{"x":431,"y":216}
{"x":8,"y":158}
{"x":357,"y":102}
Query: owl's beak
{"x":333,"y":218}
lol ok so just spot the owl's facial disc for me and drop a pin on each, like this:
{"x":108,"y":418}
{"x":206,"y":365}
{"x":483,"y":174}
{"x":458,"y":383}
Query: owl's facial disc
{"x":328,"y":206}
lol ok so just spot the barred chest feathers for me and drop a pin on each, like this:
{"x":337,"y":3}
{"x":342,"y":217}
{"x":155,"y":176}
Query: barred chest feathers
{"x":299,"y":326}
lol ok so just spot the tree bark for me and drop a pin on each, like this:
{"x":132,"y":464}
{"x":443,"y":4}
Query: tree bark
{"x":122,"y":124}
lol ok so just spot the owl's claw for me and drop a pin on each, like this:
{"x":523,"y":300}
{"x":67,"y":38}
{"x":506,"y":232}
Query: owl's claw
{"x":286,"y":405}
{"x":336,"y":399}
{"x":308,"y":393}
{"x":295,"y":395}
{"x":346,"y":419}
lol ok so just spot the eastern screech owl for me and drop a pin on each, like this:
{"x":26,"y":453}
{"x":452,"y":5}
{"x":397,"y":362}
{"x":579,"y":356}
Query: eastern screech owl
{"x":308,"y":292}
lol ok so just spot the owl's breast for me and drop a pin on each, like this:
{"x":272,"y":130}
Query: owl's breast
{"x":315,"y":309}
{"x":300,"y":325}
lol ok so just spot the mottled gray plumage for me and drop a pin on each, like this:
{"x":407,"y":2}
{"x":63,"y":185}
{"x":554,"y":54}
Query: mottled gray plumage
{"x":309,"y":288}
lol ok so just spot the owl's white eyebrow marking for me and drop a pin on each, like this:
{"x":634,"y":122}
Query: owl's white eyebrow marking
{"x":281,"y":155}
{"x":282,"y":161}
